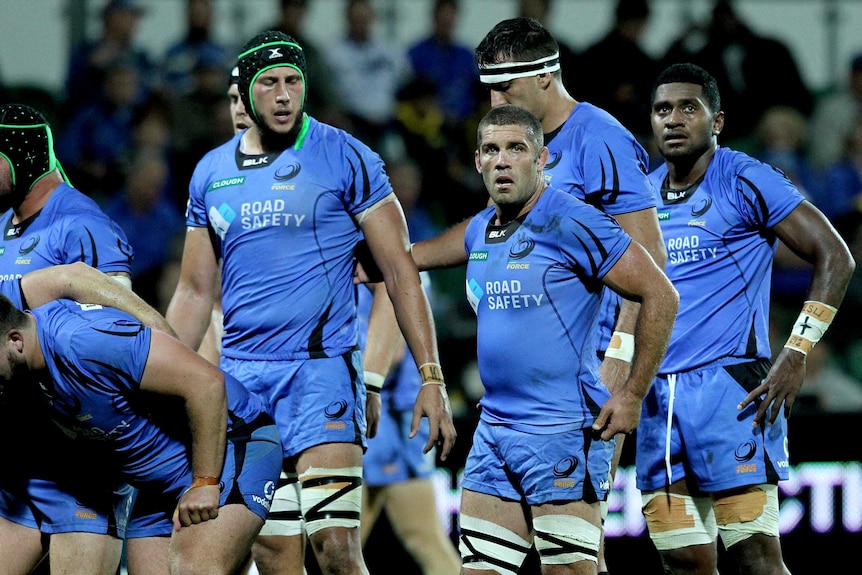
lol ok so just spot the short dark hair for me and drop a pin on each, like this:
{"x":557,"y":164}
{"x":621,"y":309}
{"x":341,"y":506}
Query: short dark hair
{"x":511,"y":115}
{"x":518,"y":40}
{"x":10,"y":316}
{"x":687,"y":73}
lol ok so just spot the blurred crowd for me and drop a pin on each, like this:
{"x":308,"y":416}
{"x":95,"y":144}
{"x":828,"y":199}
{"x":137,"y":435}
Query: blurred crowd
{"x":131,"y":125}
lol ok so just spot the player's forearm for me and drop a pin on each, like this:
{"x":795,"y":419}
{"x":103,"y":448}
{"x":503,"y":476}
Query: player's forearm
{"x":414,"y":318}
{"x":652,"y":334}
{"x":643,"y":228}
{"x":85,"y":284}
{"x":190,"y":314}
{"x":384,"y":335}
{"x":206,"y":408}
{"x":445,"y":250}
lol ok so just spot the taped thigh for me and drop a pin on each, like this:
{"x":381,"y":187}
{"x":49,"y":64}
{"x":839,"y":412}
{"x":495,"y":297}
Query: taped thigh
{"x":745,"y":513}
{"x":675,"y":521}
{"x":331,"y":497}
{"x":285,"y":515}
{"x":565,"y":539}
{"x":487,"y":546}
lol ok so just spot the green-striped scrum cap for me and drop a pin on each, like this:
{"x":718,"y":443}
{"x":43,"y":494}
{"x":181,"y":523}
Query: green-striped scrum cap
{"x":27,"y":144}
{"x":265,"y":51}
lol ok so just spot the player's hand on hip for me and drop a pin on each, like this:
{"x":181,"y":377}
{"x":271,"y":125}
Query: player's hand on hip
{"x":620,"y":414}
{"x":780,"y":387}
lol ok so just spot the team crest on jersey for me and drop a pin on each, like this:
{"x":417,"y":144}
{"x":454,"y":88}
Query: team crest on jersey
{"x":701,"y":207}
{"x":29,"y":246}
{"x":554,"y":160}
{"x":522,"y":248}
{"x":285,"y":173}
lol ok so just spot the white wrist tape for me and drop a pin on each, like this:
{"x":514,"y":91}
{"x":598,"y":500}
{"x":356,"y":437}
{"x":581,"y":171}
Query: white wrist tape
{"x":373,"y":381}
{"x":431,"y":374}
{"x":810,"y":326}
{"x":622,"y":346}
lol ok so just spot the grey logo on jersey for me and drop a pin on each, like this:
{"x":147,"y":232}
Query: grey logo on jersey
{"x":745,"y":451}
{"x":335,"y":409}
{"x":565,"y":466}
{"x":286,"y":173}
{"x":555,"y":159}
{"x":701,"y":207}
{"x":29,"y":246}
{"x":522,"y":247}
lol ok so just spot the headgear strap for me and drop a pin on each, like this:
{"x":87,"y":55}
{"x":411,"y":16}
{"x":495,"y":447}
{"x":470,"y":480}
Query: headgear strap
{"x":27,"y":144}
{"x":508,"y":71}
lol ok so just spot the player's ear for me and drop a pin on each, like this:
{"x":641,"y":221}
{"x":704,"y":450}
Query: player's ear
{"x":544,"y":154}
{"x":545,"y":79}
{"x":15,"y":339}
{"x":717,"y":123}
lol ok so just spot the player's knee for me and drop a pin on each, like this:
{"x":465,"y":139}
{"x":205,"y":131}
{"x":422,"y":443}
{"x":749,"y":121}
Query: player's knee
{"x":331,"y":498}
{"x":675,"y":521}
{"x":565,"y":539}
{"x":747,"y":512}
{"x":487,"y":546}
{"x":285,"y":514}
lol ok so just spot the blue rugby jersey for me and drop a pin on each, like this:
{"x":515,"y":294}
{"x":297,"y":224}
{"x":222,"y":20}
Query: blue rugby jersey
{"x":96,"y":357}
{"x":70,"y":228}
{"x":720,"y":247}
{"x":535,"y":285}
{"x":282,"y":222}
{"x":596,"y":159}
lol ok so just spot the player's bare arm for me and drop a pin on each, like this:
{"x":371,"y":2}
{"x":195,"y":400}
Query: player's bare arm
{"x":446,"y":250}
{"x":190,"y":310}
{"x":174,"y":369}
{"x":808,"y":233}
{"x":637,"y":277}
{"x":85,"y":284}
{"x":386,"y":232}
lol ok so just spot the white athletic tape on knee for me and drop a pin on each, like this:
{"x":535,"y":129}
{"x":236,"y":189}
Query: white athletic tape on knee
{"x":565,"y":539}
{"x":285,"y":514}
{"x":487,"y":546}
{"x":331,"y":497}
{"x":751,"y":503}
{"x":675,"y":521}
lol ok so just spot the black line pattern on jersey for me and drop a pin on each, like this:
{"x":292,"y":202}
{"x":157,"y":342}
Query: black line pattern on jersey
{"x":94,"y":250}
{"x":366,"y":182}
{"x":315,"y":340}
{"x":615,"y":180}
{"x":761,"y":209}
{"x":598,"y":246}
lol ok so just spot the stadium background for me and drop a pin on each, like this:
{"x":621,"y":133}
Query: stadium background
{"x":821,"y":512}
